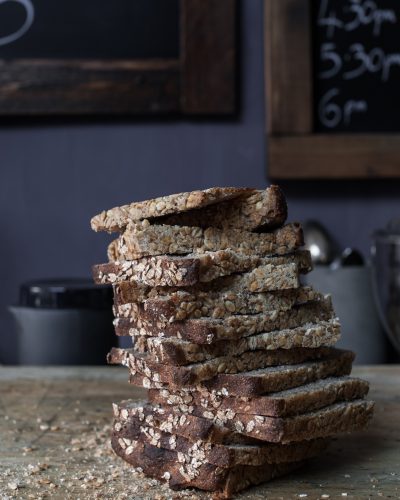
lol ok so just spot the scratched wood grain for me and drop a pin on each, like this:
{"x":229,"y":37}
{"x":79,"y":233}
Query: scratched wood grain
{"x":60,"y":419}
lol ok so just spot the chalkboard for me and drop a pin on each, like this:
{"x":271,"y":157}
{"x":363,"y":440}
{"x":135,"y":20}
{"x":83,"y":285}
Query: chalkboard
{"x":118,"y":57}
{"x":356,"y":65}
{"x":89,"y":29}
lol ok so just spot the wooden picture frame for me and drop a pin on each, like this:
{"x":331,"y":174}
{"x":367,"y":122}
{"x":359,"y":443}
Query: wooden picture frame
{"x":294,"y":150}
{"x":202,"y":81}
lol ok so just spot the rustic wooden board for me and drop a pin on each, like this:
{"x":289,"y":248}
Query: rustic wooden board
{"x":208,"y":44}
{"x":288,"y":73}
{"x":60,"y":418}
{"x":336,"y":156}
{"x":71,"y":87}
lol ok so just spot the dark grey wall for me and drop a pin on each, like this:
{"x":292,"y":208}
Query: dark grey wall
{"x":54,"y":178}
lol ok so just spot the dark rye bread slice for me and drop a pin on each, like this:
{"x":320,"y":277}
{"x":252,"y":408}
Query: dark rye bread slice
{"x":172,"y":270}
{"x":190,"y":427}
{"x":292,"y":310}
{"x":260,"y":210}
{"x":225,"y":456}
{"x":280,"y":378}
{"x":333,"y":419}
{"x":286,"y":403}
{"x":199,"y":372}
{"x":180,"y":306}
{"x":143,"y":239}
{"x":251,"y":383}
{"x":256,"y":280}
{"x":164,"y":465}
{"x":175,"y":351}
{"x":116,"y":219}
{"x":339,"y":417}
{"x":156,"y":315}
{"x":169,"y":270}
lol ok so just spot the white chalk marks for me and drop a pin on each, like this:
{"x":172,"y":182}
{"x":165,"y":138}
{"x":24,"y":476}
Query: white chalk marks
{"x":29,"y":18}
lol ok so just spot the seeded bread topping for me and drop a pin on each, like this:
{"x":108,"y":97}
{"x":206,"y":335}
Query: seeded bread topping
{"x":118,"y":218}
{"x":142,"y":239}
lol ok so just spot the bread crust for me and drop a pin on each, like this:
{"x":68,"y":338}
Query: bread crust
{"x":176,"y":351}
{"x":116,"y":219}
{"x":283,"y":370}
{"x":302,"y":399}
{"x":255,"y":314}
{"x":220,"y":455}
{"x":164,"y":465}
{"x":255,"y":280}
{"x":261,"y":210}
{"x":142,"y":239}
{"x":328,"y":421}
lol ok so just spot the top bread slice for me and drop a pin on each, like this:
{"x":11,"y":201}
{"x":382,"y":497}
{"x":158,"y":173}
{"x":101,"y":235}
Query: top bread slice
{"x":234,"y":208}
{"x":116,"y":219}
{"x":264,"y":209}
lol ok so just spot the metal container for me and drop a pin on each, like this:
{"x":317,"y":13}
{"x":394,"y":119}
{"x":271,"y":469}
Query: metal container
{"x":353,"y":301}
{"x":385,"y":254}
{"x":63,"y":322}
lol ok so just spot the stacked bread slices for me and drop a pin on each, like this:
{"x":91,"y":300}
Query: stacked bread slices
{"x":243,"y":381}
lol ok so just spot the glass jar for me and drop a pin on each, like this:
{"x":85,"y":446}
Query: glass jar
{"x":385,"y":254}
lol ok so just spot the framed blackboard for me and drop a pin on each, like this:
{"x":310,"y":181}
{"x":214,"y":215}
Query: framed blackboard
{"x":121,"y":57}
{"x":356,"y":65}
{"x":333,"y":74}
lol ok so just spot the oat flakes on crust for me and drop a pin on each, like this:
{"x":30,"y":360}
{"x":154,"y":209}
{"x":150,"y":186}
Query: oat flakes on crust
{"x":302,"y":399}
{"x":180,"y":352}
{"x":256,"y":280}
{"x":142,"y":239}
{"x":196,"y":373}
{"x":294,"y":371}
{"x":256,"y":313}
{"x":264,"y":209}
{"x":168,"y":270}
{"x":116,"y":219}
{"x":221,"y":455}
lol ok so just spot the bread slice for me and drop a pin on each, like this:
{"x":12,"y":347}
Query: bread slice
{"x":162,"y":311}
{"x":188,"y":426}
{"x":117,"y":218}
{"x":179,"y":306}
{"x":302,"y":399}
{"x":264,"y":209}
{"x":164,"y":465}
{"x":346,"y":416}
{"x":283,"y":370}
{"x":284,"y":311}
{"x":167,"y":270}
{"x":176,"y":351}
{"x":260,"y":279}
{"x":333,"y":419}
{"x":220,"y":455}
{"x":179,"y":376}
{"x":279,"y":378}
{"x":142,"y":239}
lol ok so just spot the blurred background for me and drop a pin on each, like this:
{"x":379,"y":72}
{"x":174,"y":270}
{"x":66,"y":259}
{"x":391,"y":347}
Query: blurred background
{"x":58,"y":171}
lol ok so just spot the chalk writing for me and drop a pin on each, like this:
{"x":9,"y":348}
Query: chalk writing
{"x":29,"y":18}
{"x":355,"y":60}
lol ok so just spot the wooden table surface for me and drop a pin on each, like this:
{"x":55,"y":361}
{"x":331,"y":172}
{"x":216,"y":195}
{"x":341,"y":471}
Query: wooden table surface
{"x":54,"y":442}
